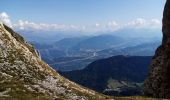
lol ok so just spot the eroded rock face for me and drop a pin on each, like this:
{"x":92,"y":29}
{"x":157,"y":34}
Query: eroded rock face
{"x":158,"y":82}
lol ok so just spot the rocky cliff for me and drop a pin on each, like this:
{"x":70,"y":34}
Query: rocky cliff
{"x":24,"y":76}
{"x":158,"y":82}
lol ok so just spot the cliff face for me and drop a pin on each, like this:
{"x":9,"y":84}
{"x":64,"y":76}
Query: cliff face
{"x":24,"y":76}
{"x":158,"y":82}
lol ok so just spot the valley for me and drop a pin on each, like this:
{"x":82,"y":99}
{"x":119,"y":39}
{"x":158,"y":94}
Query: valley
{"x":74,"y":59}
{"x":76,"y":53}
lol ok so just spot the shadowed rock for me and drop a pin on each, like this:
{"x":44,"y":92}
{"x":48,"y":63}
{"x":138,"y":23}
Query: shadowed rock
{"x":166,"y":23}
{"x":158,"y":82}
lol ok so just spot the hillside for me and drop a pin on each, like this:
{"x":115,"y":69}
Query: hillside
{"x":118,"y":75}
{"x":23,"y":75}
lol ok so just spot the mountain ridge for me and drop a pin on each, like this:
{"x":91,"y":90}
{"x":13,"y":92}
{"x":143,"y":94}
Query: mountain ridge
{"x":113,"y":72}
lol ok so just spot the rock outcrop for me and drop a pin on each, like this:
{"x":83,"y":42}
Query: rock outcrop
{"x":24,"y":76}
{"x":158,"y":82}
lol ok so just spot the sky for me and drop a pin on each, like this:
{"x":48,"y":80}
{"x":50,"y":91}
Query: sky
{"x":88,"y":15}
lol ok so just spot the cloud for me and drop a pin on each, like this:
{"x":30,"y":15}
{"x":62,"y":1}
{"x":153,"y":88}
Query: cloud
{"x":113,"y":24}
{"x":137,"y":22}
{"x":102,"y":27}
{"x":97,"y":24}
{"x":94,"y":28}
{"x":97,"y":27}
{"x":155,"y":23}
{"x":4,"y":17}
{"x":143,"y":23}
{"x":27,"y":25}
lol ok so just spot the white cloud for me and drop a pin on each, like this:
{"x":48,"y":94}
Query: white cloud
{"x":155,"y":23}
{"x":97,"y":27}
{"x":113,"y":24}
{"x":137,"y":22}
{"x":4,"y":17}
{"x":94,"y":28}
{"x":27,"y":25}
{"x":143,"y":23}
{"x":102,"y":27}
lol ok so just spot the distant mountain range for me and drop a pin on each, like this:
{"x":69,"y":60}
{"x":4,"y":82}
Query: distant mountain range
{"x":118,"y":75}
{"x":49,"y":37}
{"x":143,"y":49}
{"x":77,"y":52}
{"x":98,"y":43}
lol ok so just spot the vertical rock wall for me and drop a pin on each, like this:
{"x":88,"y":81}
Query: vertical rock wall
{"x":158,"y":82}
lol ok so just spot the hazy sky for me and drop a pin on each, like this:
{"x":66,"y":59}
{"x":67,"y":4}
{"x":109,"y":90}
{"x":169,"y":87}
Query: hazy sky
{"x":82,"y":12}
